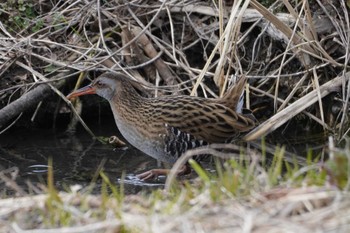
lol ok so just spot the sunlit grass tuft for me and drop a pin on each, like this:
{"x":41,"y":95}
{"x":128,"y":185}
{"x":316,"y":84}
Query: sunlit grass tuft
{"x":236,"y":178}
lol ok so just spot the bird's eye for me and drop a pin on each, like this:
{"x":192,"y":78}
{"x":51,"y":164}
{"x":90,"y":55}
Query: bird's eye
{"x":99,"y":84}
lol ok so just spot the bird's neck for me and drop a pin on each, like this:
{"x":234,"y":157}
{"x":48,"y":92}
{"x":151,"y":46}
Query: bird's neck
{"x":127,"y":98}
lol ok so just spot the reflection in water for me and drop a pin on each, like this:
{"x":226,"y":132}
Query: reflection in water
{"x":37,"y":169}
{"x":76,"y":160}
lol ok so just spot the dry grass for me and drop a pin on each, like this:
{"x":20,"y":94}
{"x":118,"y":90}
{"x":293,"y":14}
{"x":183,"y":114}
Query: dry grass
{"x":307,"y":209}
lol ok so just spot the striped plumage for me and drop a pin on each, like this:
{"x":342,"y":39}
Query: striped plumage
{"x":164,"y":127}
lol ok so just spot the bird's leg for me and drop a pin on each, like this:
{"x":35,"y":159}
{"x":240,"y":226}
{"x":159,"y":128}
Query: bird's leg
{"x":154,"y":173}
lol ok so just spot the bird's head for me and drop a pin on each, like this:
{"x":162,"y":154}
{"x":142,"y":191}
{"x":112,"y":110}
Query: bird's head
{"x":106,"y":86}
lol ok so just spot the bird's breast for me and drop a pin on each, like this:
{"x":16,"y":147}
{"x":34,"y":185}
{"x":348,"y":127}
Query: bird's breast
{"x":142,"y":132}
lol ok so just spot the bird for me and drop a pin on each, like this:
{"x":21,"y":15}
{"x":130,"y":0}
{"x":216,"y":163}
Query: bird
{"x":165,"y":127}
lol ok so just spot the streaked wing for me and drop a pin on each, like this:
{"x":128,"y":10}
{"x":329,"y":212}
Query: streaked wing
{"x":204,"y":119}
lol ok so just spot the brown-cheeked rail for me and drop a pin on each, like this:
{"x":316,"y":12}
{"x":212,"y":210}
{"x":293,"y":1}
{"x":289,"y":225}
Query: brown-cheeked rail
{"x":165,"y":127}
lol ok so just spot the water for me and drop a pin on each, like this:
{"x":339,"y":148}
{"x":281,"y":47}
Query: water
{"x":77,"y":159}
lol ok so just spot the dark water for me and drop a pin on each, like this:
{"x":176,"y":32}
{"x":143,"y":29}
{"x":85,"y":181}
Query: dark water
{"x":77,"y":159}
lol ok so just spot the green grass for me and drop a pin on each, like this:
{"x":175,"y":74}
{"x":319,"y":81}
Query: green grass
{"x":239,"y":178}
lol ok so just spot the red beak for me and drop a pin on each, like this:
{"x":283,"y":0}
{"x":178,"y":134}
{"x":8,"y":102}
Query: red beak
{"x":88,"y":90}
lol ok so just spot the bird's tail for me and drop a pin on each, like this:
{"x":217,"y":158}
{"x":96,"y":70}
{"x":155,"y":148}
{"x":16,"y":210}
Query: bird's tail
{"x":234,"y":96}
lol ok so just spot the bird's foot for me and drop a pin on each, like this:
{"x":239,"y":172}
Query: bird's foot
{"x":154,"y":173}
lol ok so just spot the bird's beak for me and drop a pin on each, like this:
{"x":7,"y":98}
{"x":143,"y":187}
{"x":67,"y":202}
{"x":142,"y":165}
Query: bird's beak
{"x":88,"y":90}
